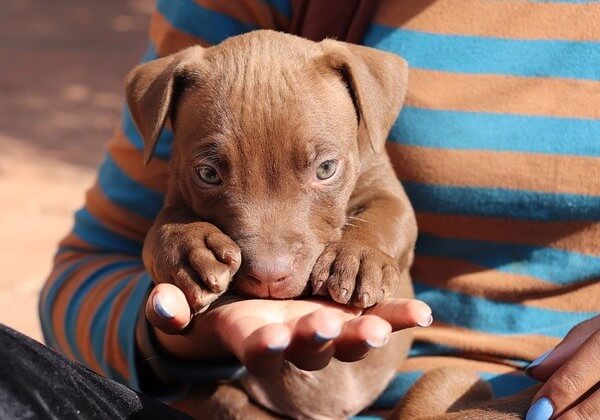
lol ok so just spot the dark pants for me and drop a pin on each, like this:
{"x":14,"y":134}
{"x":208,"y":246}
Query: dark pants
{"x":38,"y":383}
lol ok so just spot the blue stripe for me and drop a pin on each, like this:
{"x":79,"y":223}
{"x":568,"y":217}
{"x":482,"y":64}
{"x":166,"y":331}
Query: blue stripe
{"x":99,"y":322}
{"x":45,"y":307}
{"x":74,"y":306}
{"x":283,"y":7}
{"x":505,"y":203}
{"x":127,"y":325}
{"x":553,"y":265}
{"x":421,"y":348}
{"x":503,"y":385}
{"x":494,"y":317}
{"x":189,"y":17}
{"x":165,"y":140}
{"x":486,"y":55}
{"x":92,"y":231}
{"x":127,"y":193}
{"x":503,"y":132}
{"x":150,"y":53}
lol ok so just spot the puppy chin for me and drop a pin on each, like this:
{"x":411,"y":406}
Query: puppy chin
{"x":291,"y":288}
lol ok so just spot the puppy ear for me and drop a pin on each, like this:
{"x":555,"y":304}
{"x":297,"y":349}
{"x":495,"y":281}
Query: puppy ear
{"x":377,"y":82}
{"x":150,"y":91}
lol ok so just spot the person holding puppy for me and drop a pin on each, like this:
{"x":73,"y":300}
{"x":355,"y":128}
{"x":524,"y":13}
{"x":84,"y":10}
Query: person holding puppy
{"x":497,"y":149}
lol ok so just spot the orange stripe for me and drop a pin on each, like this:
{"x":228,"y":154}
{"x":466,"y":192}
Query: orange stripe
{"x":67,"y":256}
{"x":578,"y":236}
{"x":583,"y":297}
{"x":74,"y":241}
{"x":168,"y":40}
{"x":64,"y":297}
{"x":504,"y":19}
{"x":525,"y":347}
{"x":115,"y":355}
{"x":59,"y":268}
{"x":89,"y":306}
{"x":130,"y":160}
{"x":523,"y":171}
{"x":467,"y":278}
{"x":504,"y":94}
{"x":254,"y":12}
{"x":114,"y":217}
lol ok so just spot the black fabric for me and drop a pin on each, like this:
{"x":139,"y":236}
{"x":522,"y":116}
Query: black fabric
{"x":38,"y":383}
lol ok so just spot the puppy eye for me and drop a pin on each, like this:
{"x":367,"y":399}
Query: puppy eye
{"x":326,"y":169}
{"x":208,"y":174}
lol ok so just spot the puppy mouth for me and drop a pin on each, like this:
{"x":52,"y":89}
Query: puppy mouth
{"x":289,"y":288}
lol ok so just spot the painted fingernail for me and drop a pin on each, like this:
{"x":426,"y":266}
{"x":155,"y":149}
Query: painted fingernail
{"x":377,"y":343}
{"x":425,"y":321}
{"x":539,"y":360}
{"x":162,"y":307}
{"x":322,"y":337}
{"x":278,"y":347}
{"x":542,"y":409}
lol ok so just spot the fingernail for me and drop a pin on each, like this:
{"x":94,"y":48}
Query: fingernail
{"x":541,"y":410}
{"x":321,"y":337}
{"x":377,"y":344}
{"x":278,"y":347}
{"x":425,"y":321}
{"x":161,"y":307}
{"x":344,"y":293}
{"x":364,"y":299}
{"x":539,"y":360}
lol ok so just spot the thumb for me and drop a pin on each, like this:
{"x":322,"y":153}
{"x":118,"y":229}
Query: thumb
{"x":167,"y":309}
{"x":547,"y":363}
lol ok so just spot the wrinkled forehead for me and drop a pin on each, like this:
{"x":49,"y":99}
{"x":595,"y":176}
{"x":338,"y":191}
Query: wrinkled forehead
{"x":264,"y":109}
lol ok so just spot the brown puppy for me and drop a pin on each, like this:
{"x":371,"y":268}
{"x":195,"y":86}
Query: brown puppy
{"x":280,"y":187}
{"x":453,"y":394}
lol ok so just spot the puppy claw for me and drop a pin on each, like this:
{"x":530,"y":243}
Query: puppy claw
{"x":317,"y":287}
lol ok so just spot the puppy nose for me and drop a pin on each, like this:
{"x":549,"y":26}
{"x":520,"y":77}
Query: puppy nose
{"x":272,"y":270}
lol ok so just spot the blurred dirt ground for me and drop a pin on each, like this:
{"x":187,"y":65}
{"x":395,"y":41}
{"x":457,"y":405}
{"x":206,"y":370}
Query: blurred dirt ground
{"x":61,"y":83}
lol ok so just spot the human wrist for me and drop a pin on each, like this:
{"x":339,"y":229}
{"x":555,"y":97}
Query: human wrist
{"x":174,"y":361}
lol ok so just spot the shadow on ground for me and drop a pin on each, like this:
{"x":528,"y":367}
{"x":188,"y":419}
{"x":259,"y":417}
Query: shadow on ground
{"x":61,"y":84}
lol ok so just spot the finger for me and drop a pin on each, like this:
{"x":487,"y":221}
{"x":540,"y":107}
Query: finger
{"x":403,"y":313}
{"x":312,"y":346}
{"x":214,"y":274}
{"x":360,"y":335}
{"x":167,"y":309}
{"x":259,"y":347}
{"x":588,"y":408}
{"x":546,"y":364}
{"x":573,"y":379}
{"x":225,"y":249}
{"x":198,"y":298}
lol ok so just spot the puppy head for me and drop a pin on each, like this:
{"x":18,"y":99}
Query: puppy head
{"x":270,"y":132}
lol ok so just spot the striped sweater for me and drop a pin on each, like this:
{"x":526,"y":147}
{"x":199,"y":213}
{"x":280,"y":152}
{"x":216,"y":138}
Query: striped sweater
{"x":498,"y":148}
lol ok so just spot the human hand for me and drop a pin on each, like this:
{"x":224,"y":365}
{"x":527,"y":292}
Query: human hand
{"x":571,"y":372}
{"x":264,"y":333}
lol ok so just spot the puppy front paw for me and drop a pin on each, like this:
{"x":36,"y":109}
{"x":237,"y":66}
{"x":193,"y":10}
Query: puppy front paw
{"x":196,"y":257}
{"x":357,"y":274}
